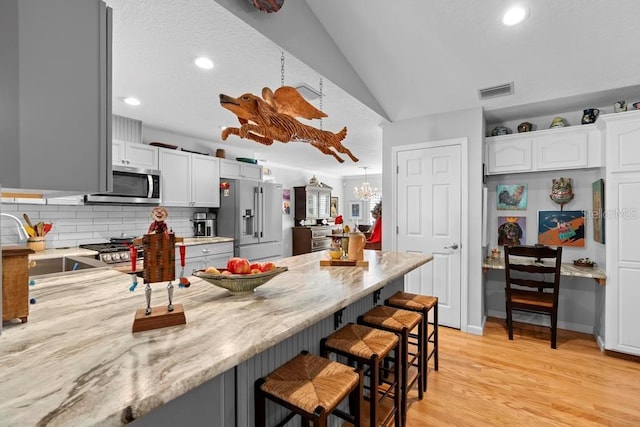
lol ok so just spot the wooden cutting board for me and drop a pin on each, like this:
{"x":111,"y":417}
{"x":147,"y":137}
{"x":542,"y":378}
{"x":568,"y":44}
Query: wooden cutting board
{"x":343,"y":263}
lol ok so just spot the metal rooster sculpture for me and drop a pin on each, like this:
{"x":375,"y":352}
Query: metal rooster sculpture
{"x":273,"y":117}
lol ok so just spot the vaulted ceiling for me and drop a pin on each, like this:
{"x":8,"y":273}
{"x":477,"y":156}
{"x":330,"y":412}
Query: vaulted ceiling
{"x":379,"y":61}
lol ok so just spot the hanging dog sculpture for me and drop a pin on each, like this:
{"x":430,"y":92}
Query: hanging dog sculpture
{"x":273,"y":117}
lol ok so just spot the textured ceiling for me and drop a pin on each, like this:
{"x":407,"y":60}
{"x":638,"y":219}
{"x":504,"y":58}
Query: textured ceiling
{"x":154,"y":45}
{"x":414,"y":57}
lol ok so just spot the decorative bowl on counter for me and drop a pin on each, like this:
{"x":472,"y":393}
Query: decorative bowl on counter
{"x":584,"y":262}
{"x":239,"y":283}
{"x":335,"y":253}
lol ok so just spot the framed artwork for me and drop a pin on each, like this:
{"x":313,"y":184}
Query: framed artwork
{"x":511,"y":197}
{"x":512,"y":230}
{"x":286,"y":202}
{"x":598,"y":207}
{"x":334,"y":207}
{"x":561,"y":228}
{"x":355,"y":210}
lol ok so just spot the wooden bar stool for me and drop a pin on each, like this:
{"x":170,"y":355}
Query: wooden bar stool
{"x":422,"y":304}
{"x":401,"y":322}
{"x":368,"y":347}
{"x":312,"y":387}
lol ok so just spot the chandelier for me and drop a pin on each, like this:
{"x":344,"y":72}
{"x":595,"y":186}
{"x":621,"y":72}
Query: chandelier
{"x":365,"y":191}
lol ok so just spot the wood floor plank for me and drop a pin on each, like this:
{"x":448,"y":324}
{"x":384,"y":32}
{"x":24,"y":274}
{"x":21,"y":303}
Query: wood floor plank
{"x":491,"y":381}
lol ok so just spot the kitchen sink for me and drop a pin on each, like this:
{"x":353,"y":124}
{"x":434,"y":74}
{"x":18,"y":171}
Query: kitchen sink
{"x":64,"y":265}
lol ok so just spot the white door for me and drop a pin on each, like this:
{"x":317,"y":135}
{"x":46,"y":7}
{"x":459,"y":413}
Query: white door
{"x":429,"y":221}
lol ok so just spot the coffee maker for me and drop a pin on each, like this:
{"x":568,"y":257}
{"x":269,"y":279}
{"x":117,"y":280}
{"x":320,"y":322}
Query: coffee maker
{"x":204,"y":224}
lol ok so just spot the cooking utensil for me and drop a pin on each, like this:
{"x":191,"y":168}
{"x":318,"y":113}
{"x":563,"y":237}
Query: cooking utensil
{"x":26,"y":218}
{"x":30,"y":231}
{"x":47,"y":228}
{"x":40,"y":229}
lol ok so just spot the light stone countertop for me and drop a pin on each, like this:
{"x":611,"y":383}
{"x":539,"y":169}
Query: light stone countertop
{"x":567,"y":269}
{"x":76,"y":361}
{"x":62,"y":252}
{"x":188,"y":241}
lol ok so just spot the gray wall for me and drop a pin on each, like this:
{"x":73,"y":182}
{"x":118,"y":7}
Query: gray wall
{"x":464,"y":123}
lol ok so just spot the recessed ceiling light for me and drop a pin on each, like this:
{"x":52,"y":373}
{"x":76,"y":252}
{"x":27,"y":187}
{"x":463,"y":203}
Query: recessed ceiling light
{"x":131,"y":101}
{"x":514,"y":16}
{"x":204,"y":63}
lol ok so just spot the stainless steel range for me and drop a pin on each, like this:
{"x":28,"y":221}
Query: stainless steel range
{"x":114,"y":253}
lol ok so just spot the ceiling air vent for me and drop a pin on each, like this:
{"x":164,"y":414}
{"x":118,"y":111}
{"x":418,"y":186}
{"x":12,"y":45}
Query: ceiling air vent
{"x":307,"y":91}
{"x":495,"y":91}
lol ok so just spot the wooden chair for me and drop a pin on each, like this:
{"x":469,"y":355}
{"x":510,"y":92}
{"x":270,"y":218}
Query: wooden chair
{"x":532,"y":284}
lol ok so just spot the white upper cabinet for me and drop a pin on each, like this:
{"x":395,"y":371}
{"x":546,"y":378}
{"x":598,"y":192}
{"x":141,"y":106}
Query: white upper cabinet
{"x":509,"y":156}
{"x":134,"y":155}
{"x":189,"y":179}
{"x":205,"y":181}
{"x":623,"y":141}
{"x":55,"y":80}
{"x":551,"y":149}
{"x":232,"y":169}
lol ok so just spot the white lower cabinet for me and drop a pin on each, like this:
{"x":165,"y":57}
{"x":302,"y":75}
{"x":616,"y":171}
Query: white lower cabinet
{"x":198,"y":257}
{"x":189,"y":179}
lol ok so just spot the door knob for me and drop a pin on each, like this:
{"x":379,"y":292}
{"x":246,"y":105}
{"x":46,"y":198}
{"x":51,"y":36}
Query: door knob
{"x":454,"y":246}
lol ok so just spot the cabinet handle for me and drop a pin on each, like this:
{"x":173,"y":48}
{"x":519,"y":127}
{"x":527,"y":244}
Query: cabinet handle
{"x":205,"y":251}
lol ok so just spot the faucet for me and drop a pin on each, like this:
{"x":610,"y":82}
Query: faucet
{"x":22,"y":233}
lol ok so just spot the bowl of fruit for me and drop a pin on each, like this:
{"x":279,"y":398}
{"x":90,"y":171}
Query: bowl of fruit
{"x":240,"y":276}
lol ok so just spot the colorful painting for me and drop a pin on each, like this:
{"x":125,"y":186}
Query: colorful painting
{"x":334,"y":207}
{"x":511,"y":197}
{"x":286,"y":202}
{"x":561,"y":228}
{"x":512,"y":230}
{"x":598,"y":205}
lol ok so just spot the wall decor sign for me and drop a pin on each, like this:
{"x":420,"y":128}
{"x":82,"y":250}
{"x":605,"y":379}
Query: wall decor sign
{"x":511,"y":197}
{"x":598,"y":205}
{"x":286,"y":202}
{"x":334,"y":207}
{"x":561,"y":228}
{"x":355,"y":210}
{"x":512,"y":230}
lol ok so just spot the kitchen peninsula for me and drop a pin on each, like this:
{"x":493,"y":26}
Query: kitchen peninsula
{"x":76,"y":362}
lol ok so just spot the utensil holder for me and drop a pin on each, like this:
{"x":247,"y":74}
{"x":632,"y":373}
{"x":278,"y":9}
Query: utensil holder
{"x":37,"y":243}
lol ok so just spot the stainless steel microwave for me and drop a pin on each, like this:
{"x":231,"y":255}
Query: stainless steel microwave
{"x":130,"y":186}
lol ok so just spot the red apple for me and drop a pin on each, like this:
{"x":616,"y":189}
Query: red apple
{"x":238,"y":265}
{"x":256,"y":271}
{"x":267,"y":266}
{"x":256,"y":266}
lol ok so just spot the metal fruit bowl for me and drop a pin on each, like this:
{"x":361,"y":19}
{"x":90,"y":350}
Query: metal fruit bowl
{"x":239,"y":283}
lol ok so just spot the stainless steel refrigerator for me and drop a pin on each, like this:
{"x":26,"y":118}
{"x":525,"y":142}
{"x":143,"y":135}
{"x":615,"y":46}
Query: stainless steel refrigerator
{"x":251,"y":213}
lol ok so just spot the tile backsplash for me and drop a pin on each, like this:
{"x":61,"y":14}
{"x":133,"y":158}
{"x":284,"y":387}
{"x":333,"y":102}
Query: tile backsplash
{"x":76,"y":225}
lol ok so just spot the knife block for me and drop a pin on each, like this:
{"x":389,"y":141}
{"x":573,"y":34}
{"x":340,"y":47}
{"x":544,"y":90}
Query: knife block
{"x":15,"y":282}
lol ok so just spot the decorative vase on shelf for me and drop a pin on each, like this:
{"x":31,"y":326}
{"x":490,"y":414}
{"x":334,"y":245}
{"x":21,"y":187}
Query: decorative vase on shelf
{"x":558,"y":122}
{"x":525,"y":127}
{"x":500,"y":130}
{"x":590,"y":115}
{"x":620,"y":106}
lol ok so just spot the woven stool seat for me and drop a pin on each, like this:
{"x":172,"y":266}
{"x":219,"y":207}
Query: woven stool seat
{"x":412,"y":301}
{"x":362,"y":341}
{"x":392,"y":318}
{"x":312,"y":387}
{"x":308,"y":382}
{"x":421,"y":304}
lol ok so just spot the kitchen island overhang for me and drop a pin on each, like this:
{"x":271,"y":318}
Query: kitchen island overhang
{"x":77,"y":362}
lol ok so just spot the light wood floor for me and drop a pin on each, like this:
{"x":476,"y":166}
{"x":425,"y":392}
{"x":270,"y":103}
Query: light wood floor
{"x":491,"y":381}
